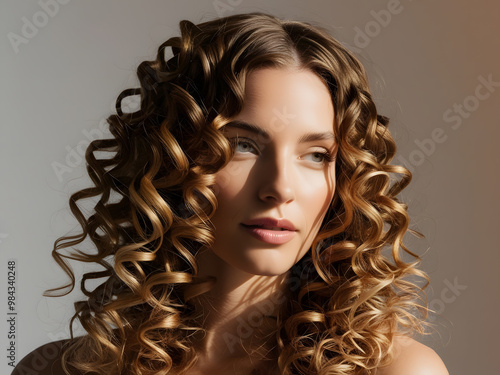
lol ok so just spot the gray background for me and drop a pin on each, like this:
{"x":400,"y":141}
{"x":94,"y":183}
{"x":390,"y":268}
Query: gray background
{"x":59,"y":86}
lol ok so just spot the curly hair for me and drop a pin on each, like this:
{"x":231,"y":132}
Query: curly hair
{"x":353,"y":291}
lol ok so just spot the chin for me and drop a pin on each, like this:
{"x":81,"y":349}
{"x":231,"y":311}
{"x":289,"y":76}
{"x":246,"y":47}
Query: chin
{"x":268,"y":272}
{"x":267,"y":268}
{"x":268,"y":262}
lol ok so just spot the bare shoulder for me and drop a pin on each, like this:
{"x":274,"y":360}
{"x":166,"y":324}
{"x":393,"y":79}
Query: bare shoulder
{"x":413,"y":358}
{"x":44,"y":360}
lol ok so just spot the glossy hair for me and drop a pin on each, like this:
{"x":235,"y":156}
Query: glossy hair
{"x":351,"y":293}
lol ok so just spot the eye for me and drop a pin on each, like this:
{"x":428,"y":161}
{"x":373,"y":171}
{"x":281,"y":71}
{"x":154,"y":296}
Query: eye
{"x":319,"y":157}
{"x":244,"y":145}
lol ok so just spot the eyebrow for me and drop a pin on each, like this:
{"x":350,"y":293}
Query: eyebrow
{"x":307,"y":137}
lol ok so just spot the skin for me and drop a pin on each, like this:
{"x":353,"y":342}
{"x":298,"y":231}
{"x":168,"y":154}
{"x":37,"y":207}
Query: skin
{"x":279,"y":177}
{"x":276,"y":175}
{"x":413,"y":358}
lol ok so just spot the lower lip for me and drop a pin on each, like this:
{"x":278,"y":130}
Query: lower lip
{"x":275,"y":237}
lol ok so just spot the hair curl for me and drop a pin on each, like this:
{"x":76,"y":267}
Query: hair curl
{"x":352,"y":298}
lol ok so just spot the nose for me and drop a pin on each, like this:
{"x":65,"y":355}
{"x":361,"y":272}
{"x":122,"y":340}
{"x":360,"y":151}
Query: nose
{"x":277,"y":182}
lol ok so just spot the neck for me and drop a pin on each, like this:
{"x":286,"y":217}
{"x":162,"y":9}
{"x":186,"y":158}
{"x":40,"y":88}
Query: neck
{"x":239,"y":312}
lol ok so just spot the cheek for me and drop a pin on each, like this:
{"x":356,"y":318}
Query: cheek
{"x":229,"y":182}
{"x":317,"y":199}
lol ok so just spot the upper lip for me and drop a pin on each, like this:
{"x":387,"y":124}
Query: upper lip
{"x":271,"y":222}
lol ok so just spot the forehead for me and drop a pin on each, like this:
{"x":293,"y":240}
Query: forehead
{"x":288,"y":96}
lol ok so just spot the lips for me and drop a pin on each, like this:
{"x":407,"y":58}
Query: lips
{"x":270,"y":224}
{"x":269,"y":230}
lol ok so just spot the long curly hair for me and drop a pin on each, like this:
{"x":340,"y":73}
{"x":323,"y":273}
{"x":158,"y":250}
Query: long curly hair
{"x":350,"y":294}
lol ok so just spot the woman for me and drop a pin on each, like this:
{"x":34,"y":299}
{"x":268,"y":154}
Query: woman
{"x":247,"y":223}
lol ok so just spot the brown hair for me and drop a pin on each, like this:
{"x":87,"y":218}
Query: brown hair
{"x":157,"y":197}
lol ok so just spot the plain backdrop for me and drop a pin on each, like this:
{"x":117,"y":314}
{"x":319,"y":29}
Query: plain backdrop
{"x":434,"y":69}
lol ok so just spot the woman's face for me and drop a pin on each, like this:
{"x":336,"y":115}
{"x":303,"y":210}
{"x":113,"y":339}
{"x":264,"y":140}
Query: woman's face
{"x":276,"y":190}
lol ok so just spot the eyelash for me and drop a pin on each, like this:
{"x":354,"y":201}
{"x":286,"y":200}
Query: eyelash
{"x":327,"y":157}
{"x":239,"y":140}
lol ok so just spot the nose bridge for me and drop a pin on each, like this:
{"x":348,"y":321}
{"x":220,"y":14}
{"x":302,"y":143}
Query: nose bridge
{"x":277,"y":176}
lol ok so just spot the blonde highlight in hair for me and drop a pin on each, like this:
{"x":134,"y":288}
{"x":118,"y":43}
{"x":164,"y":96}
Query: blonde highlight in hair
{"x":352,"y":298}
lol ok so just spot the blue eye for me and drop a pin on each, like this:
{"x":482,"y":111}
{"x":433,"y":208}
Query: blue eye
{"x":244,"y":145}
{"x":319,"y":157}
